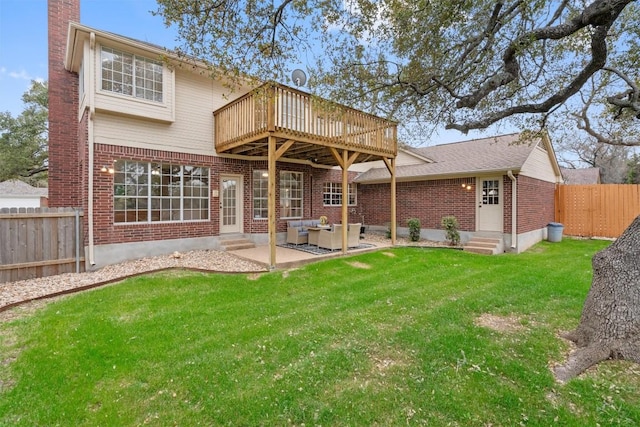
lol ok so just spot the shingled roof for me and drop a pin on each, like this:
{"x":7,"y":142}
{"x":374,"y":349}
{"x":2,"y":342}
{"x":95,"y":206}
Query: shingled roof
{"x":486,"y":155}
{"x":15,"y":187}
{"x":583,"y":176}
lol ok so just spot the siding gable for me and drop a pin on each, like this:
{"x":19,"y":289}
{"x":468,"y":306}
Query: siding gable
{"x":538,"y":165}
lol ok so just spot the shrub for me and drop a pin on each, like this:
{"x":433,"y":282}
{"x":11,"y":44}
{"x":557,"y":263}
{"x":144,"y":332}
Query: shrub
{"x":450,"y":225}
{"x":414,"y":229}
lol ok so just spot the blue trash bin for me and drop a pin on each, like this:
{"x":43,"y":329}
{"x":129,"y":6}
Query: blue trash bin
{"x":554,"y":231}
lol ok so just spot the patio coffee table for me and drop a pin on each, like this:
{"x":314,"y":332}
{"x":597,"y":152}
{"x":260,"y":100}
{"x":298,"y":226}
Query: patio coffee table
{"x":314,"y":232}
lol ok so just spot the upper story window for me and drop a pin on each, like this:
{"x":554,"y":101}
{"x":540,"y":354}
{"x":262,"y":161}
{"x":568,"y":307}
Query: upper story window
{"x":131,"y":75}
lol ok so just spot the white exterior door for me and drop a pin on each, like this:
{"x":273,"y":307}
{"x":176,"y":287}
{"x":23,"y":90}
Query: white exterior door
{"x":230,"y":204}
{"x":490,"y":197}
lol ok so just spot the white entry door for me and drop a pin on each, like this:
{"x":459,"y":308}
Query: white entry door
{"x":490,"y":204}
{"x":230,"y":204}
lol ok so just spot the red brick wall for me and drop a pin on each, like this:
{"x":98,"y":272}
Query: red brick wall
{"x":428,"y":201}
{"x":106,"y":232}
{"x":536,"y":203}
{"x":65,"y":152}
{"x":333,"y":213}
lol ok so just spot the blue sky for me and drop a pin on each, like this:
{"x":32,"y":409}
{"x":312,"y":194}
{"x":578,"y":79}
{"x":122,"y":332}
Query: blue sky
{"x":23,"y":38}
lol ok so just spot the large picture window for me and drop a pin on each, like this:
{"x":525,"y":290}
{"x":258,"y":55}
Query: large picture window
{"x":291,"y":186}
{"x":159,"y":192}
{"x":260,"y":194}
{"x":131,"y":75}
{"x":332,"y":194}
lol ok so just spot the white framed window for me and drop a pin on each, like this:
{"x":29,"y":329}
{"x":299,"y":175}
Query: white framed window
{"x":131,"y":75}
{"x":159,"y":192}
{"x":291,"y":194}
{"x":332,"y":194}
{"x":490,"y":192}
{"x":260,"y":194}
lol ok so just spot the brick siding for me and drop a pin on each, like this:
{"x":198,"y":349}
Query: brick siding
{"x":428,"y":201}
{"x":66,"y":149}
{"x":536,"y":203}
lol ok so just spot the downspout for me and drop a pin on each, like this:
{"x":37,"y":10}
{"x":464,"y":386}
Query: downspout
{"x":89,"y":88}
{"x":514,"y":209}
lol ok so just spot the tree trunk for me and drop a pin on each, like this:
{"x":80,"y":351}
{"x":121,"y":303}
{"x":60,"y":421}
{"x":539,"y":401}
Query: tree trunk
{"x":609,"y":327}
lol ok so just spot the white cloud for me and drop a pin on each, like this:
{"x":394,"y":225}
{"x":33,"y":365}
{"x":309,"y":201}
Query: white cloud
{"x":20,"y":75}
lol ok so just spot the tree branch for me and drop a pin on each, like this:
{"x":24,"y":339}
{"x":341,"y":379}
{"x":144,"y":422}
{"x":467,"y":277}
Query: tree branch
{"x":600,"y":14}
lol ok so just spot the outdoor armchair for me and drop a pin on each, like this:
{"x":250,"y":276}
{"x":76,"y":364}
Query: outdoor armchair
{"x":331,"y":239}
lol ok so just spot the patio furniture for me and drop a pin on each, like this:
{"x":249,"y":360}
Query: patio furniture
{"x":314,"y":232}
{"x":331,"y":239}
{"x":298,"y":230}
{"x":353,"y":235}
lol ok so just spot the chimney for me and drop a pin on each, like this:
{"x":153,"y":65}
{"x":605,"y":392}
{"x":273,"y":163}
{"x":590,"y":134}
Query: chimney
{"x":65,"y":146}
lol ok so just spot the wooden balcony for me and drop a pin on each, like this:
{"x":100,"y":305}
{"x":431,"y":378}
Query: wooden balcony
{"x":311,"y":126}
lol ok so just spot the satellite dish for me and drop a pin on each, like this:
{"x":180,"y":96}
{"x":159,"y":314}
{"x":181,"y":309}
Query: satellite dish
{"x":299,"y":77}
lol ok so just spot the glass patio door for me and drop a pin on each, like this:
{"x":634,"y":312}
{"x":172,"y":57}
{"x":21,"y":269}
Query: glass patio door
{"x":230,"y":204}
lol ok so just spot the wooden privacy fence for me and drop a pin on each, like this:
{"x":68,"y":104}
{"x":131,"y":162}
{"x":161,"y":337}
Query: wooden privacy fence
{"x":39,"y":242}
{"x":599,"y":210}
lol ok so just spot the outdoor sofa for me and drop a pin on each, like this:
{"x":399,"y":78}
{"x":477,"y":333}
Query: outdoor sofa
{"x":298,"y":230}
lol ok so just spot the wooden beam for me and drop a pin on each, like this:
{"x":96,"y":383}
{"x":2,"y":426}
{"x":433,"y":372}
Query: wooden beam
{"x":345,"y":200}
{"x":391,"y":166}
{"x":271,"y":208}
{"x":283,"y":148}
{"x":337,"y":156}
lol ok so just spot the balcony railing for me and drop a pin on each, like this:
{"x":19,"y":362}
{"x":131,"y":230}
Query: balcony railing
{"x":287,"y":113}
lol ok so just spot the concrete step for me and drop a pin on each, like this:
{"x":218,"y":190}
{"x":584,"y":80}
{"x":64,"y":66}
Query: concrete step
{"x":235,"y":243}
{"x":484,"y":245}
{"x":489,"y":240}
{"x":479,"y":250}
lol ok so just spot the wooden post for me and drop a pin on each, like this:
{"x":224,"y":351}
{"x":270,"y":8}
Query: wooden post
{"x":391,"y":166}
{"x":345,"y":200}
{"x":271,"y":109}
{"x":271,"y":209}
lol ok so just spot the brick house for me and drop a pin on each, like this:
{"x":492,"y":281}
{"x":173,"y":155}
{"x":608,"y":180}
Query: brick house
{"x":499,"y":186}
{"x":163,"y":158}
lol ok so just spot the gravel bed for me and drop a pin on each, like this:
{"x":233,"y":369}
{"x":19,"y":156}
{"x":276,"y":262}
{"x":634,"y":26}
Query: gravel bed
{"x":13,"y":292}
{"x":208,"y":260}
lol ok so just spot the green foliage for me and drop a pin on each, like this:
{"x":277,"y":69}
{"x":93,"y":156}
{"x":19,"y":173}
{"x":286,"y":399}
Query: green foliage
{"x":414,"y":229}
{"x":24,"y":139}
{"x":633,"y":170}
{"x":484,"y":61}
{"x":451,"y":227}
{"x":331,"y":343}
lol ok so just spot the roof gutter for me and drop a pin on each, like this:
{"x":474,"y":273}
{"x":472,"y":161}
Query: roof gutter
{"x":90,"y":136}
{"x":514,"y":209}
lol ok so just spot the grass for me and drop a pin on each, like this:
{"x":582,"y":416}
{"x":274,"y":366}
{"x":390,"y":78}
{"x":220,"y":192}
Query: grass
{"x":384,"y":338}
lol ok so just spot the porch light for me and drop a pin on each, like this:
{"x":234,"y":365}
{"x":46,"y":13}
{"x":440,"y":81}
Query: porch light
{"x":106,"y":168}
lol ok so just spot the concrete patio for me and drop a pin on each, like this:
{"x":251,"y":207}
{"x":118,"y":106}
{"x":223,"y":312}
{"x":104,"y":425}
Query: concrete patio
{"x":287,"y":258}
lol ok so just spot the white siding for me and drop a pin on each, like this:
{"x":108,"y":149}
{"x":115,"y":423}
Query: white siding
{"x":197,"y":96}
{"x":19,"y":201}
{"x":539,"y":166}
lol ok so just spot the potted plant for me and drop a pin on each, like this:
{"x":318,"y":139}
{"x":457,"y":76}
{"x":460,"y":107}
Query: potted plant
{"x":323,"y":220}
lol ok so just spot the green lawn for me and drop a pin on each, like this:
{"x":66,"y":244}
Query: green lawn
{"x":384,"y":338}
